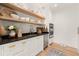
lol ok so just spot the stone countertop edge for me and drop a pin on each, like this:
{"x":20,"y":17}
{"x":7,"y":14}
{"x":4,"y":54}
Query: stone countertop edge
{"x":6,"y":40}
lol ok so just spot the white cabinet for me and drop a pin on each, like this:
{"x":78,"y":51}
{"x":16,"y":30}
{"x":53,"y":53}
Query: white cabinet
{"x":13,"y":48}
{"x":1,"y":50}
{"x":32,"y":46}
{"x":27,"y":47}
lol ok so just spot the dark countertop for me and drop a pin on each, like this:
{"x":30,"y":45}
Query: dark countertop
{"x":7,"y":39}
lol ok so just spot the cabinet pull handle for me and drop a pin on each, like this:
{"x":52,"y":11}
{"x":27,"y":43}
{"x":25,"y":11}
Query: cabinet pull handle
{"x":23,"y":42}
{"x":12,"y":46}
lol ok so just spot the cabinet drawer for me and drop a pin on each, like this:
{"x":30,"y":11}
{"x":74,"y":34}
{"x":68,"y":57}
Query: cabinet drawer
{"x":14,"y":48}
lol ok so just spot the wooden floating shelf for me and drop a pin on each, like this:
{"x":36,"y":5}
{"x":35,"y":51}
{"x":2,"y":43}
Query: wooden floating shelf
{"x":16,"y":20}
{"x":23,"y":10}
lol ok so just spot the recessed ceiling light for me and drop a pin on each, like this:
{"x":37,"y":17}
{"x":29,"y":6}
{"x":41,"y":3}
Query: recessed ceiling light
{"x":55,"y":5}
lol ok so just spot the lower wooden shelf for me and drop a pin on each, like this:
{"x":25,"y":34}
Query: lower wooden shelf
{"x":17,"y":20}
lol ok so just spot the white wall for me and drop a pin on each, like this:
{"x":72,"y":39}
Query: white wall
{"x":66,"y":25}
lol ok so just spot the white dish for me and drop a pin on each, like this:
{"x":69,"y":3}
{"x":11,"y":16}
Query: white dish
{"x":15,"y":16}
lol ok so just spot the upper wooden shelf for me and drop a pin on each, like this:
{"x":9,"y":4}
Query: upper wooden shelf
{"x":17,"y":20}
{"x":23,"y":10}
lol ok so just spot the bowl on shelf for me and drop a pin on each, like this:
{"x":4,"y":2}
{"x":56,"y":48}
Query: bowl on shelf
{"x":14,"y":16}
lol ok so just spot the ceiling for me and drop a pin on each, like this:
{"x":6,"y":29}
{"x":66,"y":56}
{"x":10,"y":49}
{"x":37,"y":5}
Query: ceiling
{"x":59,"y":6}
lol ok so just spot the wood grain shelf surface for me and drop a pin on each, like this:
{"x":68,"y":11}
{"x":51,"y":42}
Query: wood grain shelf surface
{"x":23,"y":10}
{"x":17,"y":20}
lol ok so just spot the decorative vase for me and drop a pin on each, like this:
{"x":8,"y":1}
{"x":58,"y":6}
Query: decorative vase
{"x":12,"y":33}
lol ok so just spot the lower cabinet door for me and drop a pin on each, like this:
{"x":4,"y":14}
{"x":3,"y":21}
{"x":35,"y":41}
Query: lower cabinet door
{"x":34,"y":46}
{"x":1,"y":50}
